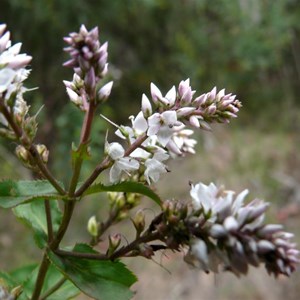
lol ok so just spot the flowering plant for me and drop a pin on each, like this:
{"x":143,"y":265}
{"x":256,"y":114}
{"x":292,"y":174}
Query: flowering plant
{"x":217,"y":231}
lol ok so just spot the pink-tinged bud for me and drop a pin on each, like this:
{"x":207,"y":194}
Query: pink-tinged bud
{"x":171,"y":96}
{"x":4,"y":41}
{"x":114,"y":243}
{"x":212,"y":94}
{"x":221,"y":94}
{"x":15,"y":49}
{"x":200,"y":100}
{"x":90,"y":81}
{"x":205,"y":126}
{"x":146,"y":106}
{"x":104,"y":71}
{"x":104,"y":92}
{"x":184,"y":111}
{"x":269,"y":229}
{"x":264,"y":246}
{"x":68,"y":40}
{"x":211,"y":109}
{"x":2,"y":28}
{"x":103,"y":48}
{"x":83,"y":30}
{"x":218,"y":231}
{"x":68,"y":84}
{"x":70,"y":63}
{"x":20,"y":61}
{"x":74,"y":97}
{"x":155,"y":93}
{"x":146,"y":251}
{"x":194,"y":121}
{"x":183,"y":86}
{"x":231,"y":224}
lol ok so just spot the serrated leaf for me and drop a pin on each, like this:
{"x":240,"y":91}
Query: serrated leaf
{"x":33,"y":215}
{"x":127,"y":187}
{"x":101,"y":280}
{"x":53,"y":276}
{"x":13,"y":193}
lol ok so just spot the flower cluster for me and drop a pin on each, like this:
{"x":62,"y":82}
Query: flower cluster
{"x":227,"y":232}
{"x":89,"y":61}
{"x":160,"y":129}
{"x":13,"y":72}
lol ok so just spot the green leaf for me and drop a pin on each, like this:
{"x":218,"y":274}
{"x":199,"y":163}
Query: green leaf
{"x":101,"y":280}
{"x":7,"y":280}
{"x":13,"y":193}
{"x":127,"y":187}
{"x":33,"y":215}
{"x":17,"y":277}
{"x":66,"y":291}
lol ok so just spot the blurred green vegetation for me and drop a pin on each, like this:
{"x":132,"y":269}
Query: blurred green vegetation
{"x":252,"y":48}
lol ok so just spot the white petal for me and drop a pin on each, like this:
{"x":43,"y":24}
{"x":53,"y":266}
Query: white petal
{"x":169,"y":117}
{"x":171,"y":96}
{"x":155,"y":92}
{"x":140,"y":124}
{"x":115,"y":151}
{"x":6,"y":77}
{"x":114,"y":173}
{"x":146,"y":106}
{"x":164,"y":135}
{"x":127,"y":164}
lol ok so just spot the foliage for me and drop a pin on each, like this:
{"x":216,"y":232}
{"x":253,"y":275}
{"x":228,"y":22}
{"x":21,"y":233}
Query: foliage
{"x":216,"y":230}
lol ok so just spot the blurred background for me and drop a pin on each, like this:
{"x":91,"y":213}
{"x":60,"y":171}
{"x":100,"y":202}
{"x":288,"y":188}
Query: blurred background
{"x":250,"y":47}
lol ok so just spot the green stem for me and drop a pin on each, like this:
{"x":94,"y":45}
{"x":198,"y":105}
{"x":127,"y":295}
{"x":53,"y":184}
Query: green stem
{"x":49,"y":220}
{"x":106,"y":163}
{"x":53,"y":289}
{"x":69,"y":208}
{"x":84,"y":138}
{"x":41,"y":277}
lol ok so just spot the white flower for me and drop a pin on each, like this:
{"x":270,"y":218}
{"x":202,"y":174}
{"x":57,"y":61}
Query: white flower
{"x":139,"y":124}
{"x":155,"y":167}
{"x":199,"y":251}
{"x":162,"y":126}
{"x":180,"y":143}
{"x":6,"y":78}
{"x":204,"y":196}
{"x":121,"y":163}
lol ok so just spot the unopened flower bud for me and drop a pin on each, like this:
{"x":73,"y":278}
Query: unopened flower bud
{"x":90,"y":81}
{"x":22,"y":154}
{"x":146,"y":250}
{"x":114,"y":242}
{"x":104,"y":92}
{"x":93,"y":226}
{"x":16,"y":292}
{"x":139,"y":221}
{"x":146,"y":106}
{"x":43,"y":152}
